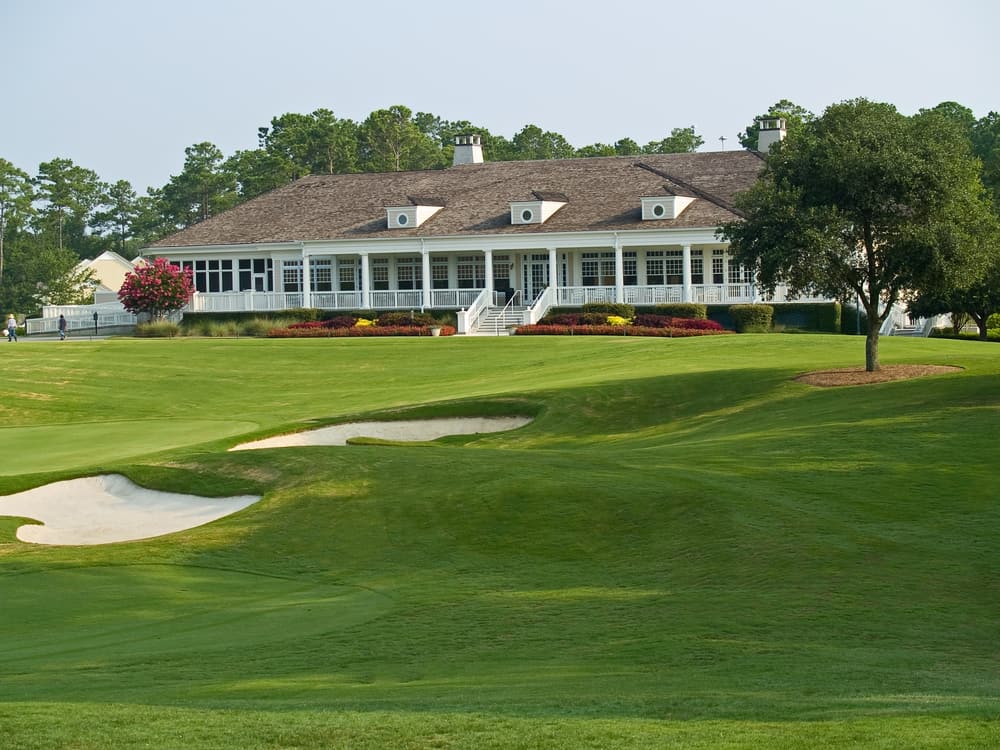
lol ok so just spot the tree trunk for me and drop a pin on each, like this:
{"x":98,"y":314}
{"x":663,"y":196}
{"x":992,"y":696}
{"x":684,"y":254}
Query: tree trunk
{"x":871,"y":345}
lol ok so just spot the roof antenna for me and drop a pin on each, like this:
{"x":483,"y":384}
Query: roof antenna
{"x":723,"y":139}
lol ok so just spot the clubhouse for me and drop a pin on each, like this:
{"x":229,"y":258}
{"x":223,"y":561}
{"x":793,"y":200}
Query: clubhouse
{"x":479,"y":238}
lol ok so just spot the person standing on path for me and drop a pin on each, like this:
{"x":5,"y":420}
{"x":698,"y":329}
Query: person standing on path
{"x":11,"y":327}
{"x":62,"y":328}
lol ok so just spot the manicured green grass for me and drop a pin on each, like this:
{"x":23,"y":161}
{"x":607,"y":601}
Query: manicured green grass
{"x":685,"y":548}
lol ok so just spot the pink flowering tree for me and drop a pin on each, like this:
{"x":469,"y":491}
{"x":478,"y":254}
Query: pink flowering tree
{"x":157,"y":289}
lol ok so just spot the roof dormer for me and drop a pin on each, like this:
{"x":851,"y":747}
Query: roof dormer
{"x":664,"y":206}
{"x":419,"y":210}
{"x":536,"y":211}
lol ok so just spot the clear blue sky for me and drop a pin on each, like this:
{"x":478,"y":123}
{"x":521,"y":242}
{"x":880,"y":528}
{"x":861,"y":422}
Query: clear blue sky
{"x":124,"y":86}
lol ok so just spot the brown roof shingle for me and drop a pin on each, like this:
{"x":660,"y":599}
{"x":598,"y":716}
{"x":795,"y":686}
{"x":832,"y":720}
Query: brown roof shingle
{"x":603,"y":194}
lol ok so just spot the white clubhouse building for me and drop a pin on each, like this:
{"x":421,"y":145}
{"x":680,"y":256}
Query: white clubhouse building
{"x":478,"y":237}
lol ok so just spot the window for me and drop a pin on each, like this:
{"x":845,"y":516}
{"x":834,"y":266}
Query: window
{"x":380,"y":273}
{"x":346,"y":270}
{"x":673,"y":266}
{"x":409,"y":273}
{"x":527,"y":215}
{"x":718,"y":267}
{"x":629,"y":266}
{"x":697,"y":268}
{"x":321,"y":274}
{"x":291,"y":275}
{"x":598,"y":269}
{"x":211,"y":275}
{"x":439,"y":273}
{"x":471,"y":272}
{"x":739,"y":274}
{"x":256,"y":274}
{"x":654,"y":267}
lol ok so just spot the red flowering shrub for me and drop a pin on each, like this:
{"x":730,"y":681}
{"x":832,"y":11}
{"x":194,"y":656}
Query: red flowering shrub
{"x":556,"y":330}
{"x":649,"y":320}
{"x":158,"y":288}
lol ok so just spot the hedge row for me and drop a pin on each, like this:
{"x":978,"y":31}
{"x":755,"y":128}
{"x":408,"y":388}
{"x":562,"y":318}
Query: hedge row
{"x":541,"y":329}
{"x":356,"y":332}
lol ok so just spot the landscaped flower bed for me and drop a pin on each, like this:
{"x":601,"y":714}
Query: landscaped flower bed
{"x":542,"y":329}
{"x":310,"y":331}
{"x":601,"y":324}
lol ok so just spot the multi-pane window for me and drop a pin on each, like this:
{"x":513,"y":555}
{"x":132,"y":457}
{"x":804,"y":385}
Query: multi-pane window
{"x":346,"y":274}
{"x":409,"y":273}
{"x":739,"y":274}
{"x":291,"y":275}
{"x":256,"y":274}
{"x":697,"y":268}
{"x":380,"y":273}
{"x":597,"y":269}
{"x":654,"y":267}
{"x":718,"y":267}
{"x":321,"y":274}
{"x":471,"y":272}
{"x":629,"y":268}
{"x":439,"y":273}
{"x":210,"y":275}
{"x":673,"y":266}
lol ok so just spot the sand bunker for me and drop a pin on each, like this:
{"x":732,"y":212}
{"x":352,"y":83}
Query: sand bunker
{"x":409,"y":430}
{"x":110,"y":508}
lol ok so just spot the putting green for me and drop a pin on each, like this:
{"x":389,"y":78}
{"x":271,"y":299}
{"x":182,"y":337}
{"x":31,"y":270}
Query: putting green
{"x":78,"y":445}
{"x":122,"y":612}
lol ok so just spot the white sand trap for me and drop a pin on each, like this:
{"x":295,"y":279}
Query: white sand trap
{"x":110,"y":508}
{"x":408,"y":430}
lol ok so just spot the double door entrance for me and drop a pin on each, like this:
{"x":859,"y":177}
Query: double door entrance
{"x":535,"y":273}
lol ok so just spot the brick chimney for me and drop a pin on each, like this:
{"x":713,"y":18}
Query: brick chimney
{"x":468,"y":150}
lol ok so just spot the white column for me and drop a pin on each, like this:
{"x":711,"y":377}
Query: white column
{"x":619,"y":271}
{"x":425,"y":260}
{"x":488,"y":270}
{"x":553,"y":268}
{"x":686,"y":265}
{"x":366,"y":282}
{"x":306,"y":281}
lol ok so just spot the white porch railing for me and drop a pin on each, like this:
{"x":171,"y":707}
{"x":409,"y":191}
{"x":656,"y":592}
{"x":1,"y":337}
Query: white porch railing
{"x":573,"y":296}
{"x":469,"y":320}
{"x":541,"y":305}
{"x":413,"y":299}
{"x":441,"y":298}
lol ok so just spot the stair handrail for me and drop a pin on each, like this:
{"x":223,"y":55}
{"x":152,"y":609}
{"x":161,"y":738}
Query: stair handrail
{"x":501,"y":320}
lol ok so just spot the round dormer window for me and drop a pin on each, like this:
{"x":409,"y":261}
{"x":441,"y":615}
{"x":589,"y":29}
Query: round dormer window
{"x":402,"y":219}
{"x":658,"y":210}
{"x":527,"y":215}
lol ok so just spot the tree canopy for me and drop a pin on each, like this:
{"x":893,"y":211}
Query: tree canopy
{"x":864,"y":202}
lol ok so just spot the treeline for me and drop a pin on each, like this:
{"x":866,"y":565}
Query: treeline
{"x":65,"y":212}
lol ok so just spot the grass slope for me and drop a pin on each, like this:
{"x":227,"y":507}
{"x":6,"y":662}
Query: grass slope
{"x":685,"y":549}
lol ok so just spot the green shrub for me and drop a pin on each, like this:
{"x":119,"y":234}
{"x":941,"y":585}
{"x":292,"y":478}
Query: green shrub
{"x":993,"y":322}
{"x":619,"y":309}
{"x":809,"y":316}
{"x":161,"y":329}
{"x":854,"y":320}
{"x":752,"y":318}
{"x":682,"y":310}
{"x":404,"y":318}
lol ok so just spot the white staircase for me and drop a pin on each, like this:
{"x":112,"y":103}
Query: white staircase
{"x":497,"y":321}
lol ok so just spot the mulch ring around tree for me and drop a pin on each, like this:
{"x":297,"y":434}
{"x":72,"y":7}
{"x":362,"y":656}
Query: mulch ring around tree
{"x":860,"y":376}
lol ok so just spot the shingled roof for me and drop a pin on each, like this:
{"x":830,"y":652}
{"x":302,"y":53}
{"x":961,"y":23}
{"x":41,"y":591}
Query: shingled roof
{"x":603,"y":194}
